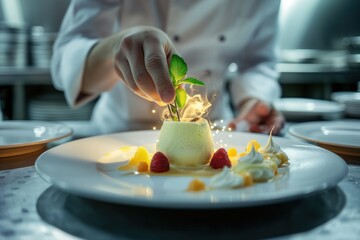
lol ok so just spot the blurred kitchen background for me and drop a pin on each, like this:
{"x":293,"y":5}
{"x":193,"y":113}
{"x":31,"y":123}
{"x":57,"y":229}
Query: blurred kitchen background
{"x":319,"y":49}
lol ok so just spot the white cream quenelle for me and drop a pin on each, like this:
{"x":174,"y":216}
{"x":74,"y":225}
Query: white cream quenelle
{"x":273,"y":152}
{"x":186,"y":144}
{"x":226,"y":179}
{"x":254,"y":163}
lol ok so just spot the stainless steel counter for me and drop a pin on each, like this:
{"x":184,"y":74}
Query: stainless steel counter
{"x":31,"y":209}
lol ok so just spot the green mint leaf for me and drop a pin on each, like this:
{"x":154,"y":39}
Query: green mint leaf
{"x":181,"y":97}
{"x":193,"y":81}
{"x":173,"y":80}
{"x":178,"y":68}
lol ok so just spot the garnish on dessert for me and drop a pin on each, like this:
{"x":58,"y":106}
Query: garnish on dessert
{"x":196,"y":185}
{"x":143,"y":167}
{"x":178,"y":69}
{"x":159,"y":163}
{"x":254,"y":163}
{"x":141,"y":155}
{"x":273,"y":152}
{"x":227,"y":179}
{"x":220,"y":159}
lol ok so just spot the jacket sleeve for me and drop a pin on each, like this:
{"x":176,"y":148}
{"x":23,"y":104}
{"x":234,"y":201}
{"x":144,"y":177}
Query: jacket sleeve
{"x":85,"y":22}
{"x":257,"y":76}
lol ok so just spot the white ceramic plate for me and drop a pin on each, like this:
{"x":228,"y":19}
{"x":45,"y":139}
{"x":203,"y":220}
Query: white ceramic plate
{"x":336,"y":133}
{"x":20,"y":137}
{"x":73,"y":168}
{"x":304,"y":108}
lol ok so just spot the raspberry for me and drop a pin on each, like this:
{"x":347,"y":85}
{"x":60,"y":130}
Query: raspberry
{"x":220,"y":159}
{"x":159,"y":163}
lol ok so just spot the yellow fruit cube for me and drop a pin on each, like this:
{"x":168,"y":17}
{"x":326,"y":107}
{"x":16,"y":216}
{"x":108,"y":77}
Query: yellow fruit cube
{"x":251,"y":143}
{"x":141,"y":155}
{"x":232,"y":152}
{"x":143,"y":167}
{"x":196,"y":185}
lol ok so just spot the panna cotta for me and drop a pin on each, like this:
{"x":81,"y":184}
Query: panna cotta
{"x":186,"y":144}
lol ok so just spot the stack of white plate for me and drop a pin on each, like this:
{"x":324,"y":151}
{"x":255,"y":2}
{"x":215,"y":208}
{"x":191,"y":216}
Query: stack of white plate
{"x":55,"y":108}
{"x":41,"y":46}
{"x":297,"y":109}
{"x":13,"y":46}
{"x":351,"y":101}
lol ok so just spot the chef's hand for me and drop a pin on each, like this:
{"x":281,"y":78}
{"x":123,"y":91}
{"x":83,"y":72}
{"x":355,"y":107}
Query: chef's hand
{"x":260,"y":117}
{"x":139,"y":56}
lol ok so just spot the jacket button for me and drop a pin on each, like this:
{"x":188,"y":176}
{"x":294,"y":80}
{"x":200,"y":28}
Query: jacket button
{"x":222,"y":38}
{"x":176,"y":38}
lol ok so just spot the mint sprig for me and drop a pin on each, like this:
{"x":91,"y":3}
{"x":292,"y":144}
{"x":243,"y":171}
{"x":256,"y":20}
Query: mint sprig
{"x":178,"y":69}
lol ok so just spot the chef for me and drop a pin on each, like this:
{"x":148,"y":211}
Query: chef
{"x":119,"y":51}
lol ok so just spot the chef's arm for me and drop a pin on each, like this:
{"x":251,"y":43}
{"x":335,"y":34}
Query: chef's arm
{"x":257,"y":76}
{"x":84,"y":24}
{"x":256,"y":86}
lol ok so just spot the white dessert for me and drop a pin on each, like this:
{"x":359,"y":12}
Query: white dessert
{"x":254,"y":163}
{"x":226,"y":179}
{"x":273,"y":152}
{"x":186,"y":144}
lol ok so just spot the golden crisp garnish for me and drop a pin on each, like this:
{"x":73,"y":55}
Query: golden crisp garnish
{"x":282,"y":157}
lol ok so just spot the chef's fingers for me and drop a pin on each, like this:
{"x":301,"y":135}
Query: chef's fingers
{"x":274,"y":121}
{"x":247,"y":113}
{"x":124,"y":68}
{"x":140,"y":74}
{"x":157,"y":66}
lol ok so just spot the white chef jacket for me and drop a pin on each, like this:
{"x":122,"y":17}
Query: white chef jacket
{"x":209,"y":34}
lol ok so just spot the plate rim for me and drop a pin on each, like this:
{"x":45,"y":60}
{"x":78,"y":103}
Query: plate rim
{"x":142,"y":201}
{"x":69,"y":132}
{"x":291,"y":131}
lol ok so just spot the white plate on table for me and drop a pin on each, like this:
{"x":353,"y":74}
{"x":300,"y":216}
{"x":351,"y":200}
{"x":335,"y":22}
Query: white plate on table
{"x":342,"y":137}
{"x":73,"y":168}
{"x":303,"y":108}
{"x":22,"y":137}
